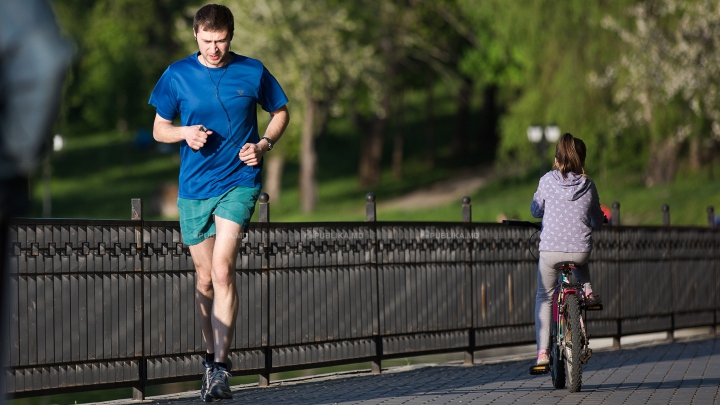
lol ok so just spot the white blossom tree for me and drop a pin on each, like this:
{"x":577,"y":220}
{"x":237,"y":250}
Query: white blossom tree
{"x":667,"y":83}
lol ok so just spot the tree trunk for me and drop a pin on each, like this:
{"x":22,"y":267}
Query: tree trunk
{"x":429,"y":124}
{"x":371,"y":153}
{"x":372,"y":144}
{"x":662,"y":164}
{"x":322,"y":114}
{"x":696,"y":158}
{"x":399,"y":139}
{"x":462,"y":119}
{"x":487,"y":135}
{"x":273,"y":168}
{"x":308,"y":157}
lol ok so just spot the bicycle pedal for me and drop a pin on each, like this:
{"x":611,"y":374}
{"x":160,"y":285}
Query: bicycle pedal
{"x":588,"y":354}
{"x":595,"y":307}
{"x":537,"y":370}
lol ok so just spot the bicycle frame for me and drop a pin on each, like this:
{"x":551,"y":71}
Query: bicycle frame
{"x":562,"y":290}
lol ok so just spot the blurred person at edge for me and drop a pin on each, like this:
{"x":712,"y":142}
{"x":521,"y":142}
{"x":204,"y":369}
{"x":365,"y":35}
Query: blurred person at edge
{"x":33,"y":60}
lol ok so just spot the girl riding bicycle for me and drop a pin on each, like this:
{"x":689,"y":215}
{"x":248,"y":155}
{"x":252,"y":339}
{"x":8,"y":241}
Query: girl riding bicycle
{"x":568,"y":203}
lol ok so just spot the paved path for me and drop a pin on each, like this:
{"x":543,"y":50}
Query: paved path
{"x":443,"y":192}
{"x":677,"y":373}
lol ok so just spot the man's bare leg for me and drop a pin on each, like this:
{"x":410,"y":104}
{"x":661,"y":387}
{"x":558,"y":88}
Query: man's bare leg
{"x":202,"y":258}
{"x":225,"y":302}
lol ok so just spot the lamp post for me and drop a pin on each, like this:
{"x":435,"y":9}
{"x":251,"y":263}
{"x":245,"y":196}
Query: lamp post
{"x":535,"y":135}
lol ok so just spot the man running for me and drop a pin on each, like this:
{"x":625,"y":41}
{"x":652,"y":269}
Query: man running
{"x":215,"y":92}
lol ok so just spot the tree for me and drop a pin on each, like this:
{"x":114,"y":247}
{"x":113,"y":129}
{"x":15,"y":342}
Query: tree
{"x":310,"y":46}
{"x":413,"y":48}
{"x":124,"y":46}
{"x":667,"y":82}
{"x":533,"y":59}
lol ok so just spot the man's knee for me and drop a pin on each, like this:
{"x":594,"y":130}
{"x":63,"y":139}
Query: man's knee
{"x":223,"y":276}
{"x":203,"y":281}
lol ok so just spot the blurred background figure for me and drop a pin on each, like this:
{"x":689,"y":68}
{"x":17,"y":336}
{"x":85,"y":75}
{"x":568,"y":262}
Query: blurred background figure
{"x":33,"y":60}
{"x":607,"y":212}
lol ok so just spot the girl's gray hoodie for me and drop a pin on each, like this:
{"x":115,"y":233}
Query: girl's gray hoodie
{"x":569,"y":209}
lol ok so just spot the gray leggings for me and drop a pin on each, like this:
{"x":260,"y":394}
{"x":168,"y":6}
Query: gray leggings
{"x":546,"y":280}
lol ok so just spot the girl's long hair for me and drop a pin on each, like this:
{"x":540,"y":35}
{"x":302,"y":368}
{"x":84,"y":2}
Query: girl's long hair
{"x":570,"y":154}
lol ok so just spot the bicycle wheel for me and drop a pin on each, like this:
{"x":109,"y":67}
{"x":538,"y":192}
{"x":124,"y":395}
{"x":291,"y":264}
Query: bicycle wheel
{"x":557,"y":366}
{"x":573,"y":343}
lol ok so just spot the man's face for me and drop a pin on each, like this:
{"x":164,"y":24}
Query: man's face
{"x":214,"y":47}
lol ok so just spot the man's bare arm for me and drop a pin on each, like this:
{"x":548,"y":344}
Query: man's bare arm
{"x":164,"y":131}
{"x":279,"y":120}
{"x":251,"y":153}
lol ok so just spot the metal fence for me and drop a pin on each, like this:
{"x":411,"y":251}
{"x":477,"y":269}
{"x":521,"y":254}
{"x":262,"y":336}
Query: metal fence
{"x":99,"y":303}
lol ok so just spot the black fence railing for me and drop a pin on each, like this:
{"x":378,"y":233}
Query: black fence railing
{"x":108,"y":303}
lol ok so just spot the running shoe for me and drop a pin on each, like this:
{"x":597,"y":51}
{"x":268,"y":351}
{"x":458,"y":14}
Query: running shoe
{"x":207,"y":376}
{"x":219,"y":387}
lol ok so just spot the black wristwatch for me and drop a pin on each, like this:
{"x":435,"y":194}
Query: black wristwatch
{"x":270,"y":144}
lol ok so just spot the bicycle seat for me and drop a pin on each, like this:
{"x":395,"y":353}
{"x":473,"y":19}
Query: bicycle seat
{"x":566,"y":265}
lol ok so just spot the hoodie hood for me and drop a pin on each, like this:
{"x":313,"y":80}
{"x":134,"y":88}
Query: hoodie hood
{"x":571,"y":188}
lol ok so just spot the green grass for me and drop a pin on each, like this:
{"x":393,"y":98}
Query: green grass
{"x":96,"y":176}
{"x":688,"y":198}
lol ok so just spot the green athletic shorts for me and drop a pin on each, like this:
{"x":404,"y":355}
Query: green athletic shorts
{"x":197,"y":217}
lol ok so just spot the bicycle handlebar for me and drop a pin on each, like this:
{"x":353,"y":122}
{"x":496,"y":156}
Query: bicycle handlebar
{"x":525,"y":224}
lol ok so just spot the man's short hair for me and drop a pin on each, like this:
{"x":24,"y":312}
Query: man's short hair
{"x":214,"y":17}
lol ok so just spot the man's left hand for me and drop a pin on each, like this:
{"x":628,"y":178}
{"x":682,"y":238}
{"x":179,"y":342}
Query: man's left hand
{"x":251,"y":153}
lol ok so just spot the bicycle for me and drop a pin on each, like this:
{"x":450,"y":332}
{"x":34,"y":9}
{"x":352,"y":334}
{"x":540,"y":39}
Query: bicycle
{"x":568,"y":334}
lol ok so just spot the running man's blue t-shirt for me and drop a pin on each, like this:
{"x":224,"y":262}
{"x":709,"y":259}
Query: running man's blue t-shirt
{"x":202,"y":96}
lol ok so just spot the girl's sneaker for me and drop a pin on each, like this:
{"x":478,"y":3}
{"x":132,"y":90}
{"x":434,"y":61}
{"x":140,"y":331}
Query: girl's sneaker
{"x":593,"y":299}
{"x":543,"y":359}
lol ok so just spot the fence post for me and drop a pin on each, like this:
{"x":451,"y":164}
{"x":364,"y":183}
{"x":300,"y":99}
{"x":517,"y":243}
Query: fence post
{"x":264,"y":208}
{"x":264,"y":218}
{"x":615,"y":220}
{"x":711,"y":216}
{"x":711,"y":224}
{"x":470,"y":351}
{"x":666,"y":222}
{"x":376,"y":363}
{"x":370,"y":208}
{"x":466,"y":209}
{"x":136,"y":214}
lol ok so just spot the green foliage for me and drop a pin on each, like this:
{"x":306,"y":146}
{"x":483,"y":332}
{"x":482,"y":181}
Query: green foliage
{"x":112,"y":172}
{"x":594,"y":68}
{"x":669,"y":74}
{"x":123,"y":48}
{"x":495,"y":26}
{"x":540,"y":54}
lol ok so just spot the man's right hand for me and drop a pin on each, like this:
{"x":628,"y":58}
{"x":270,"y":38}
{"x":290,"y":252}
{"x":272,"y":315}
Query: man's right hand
{"x":196,"y":136}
